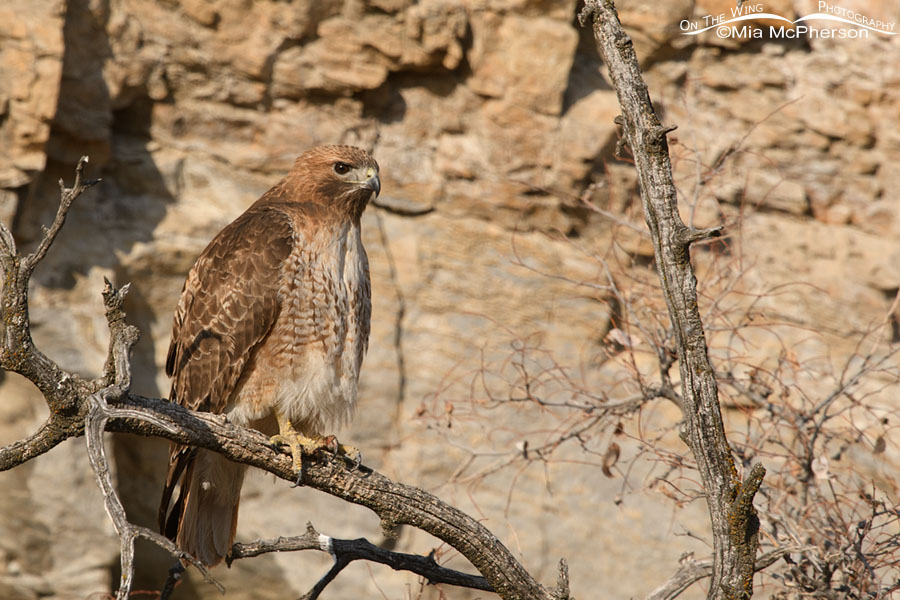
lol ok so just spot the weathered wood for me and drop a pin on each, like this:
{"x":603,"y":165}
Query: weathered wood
{"x":730,"y":500}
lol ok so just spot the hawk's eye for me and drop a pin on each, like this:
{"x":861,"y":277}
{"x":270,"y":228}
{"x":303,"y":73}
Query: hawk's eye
{"x":341,"y":168}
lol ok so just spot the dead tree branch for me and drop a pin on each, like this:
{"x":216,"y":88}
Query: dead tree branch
{"x":395,"y":503}
{"x":81,"y":407}
{"x":346,"y":551}
{"x":95,"y":424}
{"x":118,"y":373}
{"x":730,"y":500}
{"x":17,"y":352}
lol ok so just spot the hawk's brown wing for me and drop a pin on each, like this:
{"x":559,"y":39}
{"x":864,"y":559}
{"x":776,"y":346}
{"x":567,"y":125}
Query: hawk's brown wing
{"x":228,"y":306}
{"x":229,"y":303}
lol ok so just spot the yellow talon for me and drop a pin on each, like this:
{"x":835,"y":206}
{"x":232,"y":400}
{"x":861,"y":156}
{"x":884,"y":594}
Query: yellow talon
{"x":301,"y":445}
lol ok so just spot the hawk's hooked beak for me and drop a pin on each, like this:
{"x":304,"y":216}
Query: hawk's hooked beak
{"x":372,"y":182}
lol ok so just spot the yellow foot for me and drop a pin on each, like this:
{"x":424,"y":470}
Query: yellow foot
{"x":302,"y":445}
{"x":299,"y":445}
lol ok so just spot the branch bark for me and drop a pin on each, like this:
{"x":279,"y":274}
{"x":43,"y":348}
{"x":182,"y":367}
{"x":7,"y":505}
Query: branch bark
{"x":395,"y":503}
{"x":82,"y":407}
{"x":346,"y":551}
{"x":17,"y":351}
{"x":730,"y":501}
{"x":692,"y":571}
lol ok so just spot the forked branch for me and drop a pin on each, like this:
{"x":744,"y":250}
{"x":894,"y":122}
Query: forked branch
{"x":17,"y":352}
{"x":346,"y":551}
{"x":67,"y":196}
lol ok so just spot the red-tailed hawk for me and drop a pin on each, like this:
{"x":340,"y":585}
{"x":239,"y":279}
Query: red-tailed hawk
{"x":271,"y":328}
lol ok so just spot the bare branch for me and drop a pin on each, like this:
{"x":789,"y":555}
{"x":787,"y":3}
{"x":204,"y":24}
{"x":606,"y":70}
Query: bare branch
{"x":47,"y":437}
{"x":346,"y":551}
{"x":690,"y":572}
{"x":62,"y":390}
{"x":704,"y":432}
{"x":395,"y":503}
{"x":67,"y":196}
{"x":95,"y":424}
{"x":118,"y":372}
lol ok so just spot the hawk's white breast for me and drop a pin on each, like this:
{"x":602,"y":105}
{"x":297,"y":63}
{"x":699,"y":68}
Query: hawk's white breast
{"x":317,"y":390}
{"x":310,"y":369}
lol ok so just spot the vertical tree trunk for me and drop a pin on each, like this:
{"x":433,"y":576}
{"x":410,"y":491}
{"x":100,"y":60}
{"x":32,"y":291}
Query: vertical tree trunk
{"x":730,"y":501}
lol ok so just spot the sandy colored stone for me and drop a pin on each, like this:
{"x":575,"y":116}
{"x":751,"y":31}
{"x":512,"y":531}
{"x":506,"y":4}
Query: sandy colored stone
{"x":505,"y":64}
{"x":331,"y":64}
{"x":31,"y":51}
{"x":653,"y":26}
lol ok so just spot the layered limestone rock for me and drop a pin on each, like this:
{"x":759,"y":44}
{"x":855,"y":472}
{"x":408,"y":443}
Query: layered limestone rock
{"x":493,"y":122}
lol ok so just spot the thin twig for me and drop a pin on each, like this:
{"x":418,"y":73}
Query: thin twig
{"x":9,"y":243}
{"x":67,"y":196}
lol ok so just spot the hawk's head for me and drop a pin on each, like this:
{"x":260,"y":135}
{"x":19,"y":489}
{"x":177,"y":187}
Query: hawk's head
{"x":345,"y":177}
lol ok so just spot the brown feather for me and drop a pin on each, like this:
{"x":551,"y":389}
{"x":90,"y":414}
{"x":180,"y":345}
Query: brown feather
{"x":262,"y":307}
{"x":228,"y":305}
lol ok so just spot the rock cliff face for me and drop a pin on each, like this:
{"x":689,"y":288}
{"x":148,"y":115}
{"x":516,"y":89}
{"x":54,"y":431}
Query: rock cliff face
{"x":493,"y":123}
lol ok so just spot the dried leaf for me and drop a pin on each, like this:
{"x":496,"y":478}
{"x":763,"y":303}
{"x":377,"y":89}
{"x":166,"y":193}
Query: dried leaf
{"x":610,"y":459}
